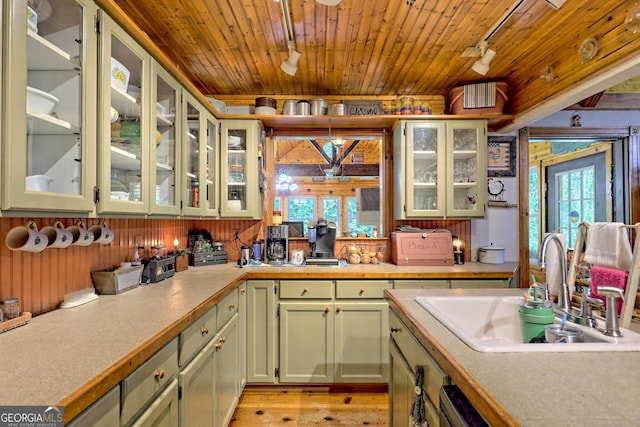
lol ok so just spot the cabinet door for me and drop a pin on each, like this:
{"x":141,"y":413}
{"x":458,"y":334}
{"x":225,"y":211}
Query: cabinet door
{"x":49,"y":121}
{"x":196,"y":385}
{"x":401,"y":389}
{"x":104,"y":412}
{"x":467,"y":168}
{"x":124,"y":121}
{"x":306,"y":342}
{"x":240,"y":169}
{"x":424,"y":169}
{"x":361,"y":342}
{"x":163,"y":411}
{"x":165,"y":132}
{"x":242,"y":337}
{"x":226,"y":372}
{"x":261,"y":345}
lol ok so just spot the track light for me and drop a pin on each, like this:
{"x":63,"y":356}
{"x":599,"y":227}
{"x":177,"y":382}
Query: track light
{"x":556,"y":4}
{"x":329,"y":2}
{"x":481,"y":66}
{"x":290,"y":65}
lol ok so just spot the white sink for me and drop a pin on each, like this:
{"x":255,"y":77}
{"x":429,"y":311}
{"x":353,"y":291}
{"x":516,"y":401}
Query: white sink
{"x":492,"y":324}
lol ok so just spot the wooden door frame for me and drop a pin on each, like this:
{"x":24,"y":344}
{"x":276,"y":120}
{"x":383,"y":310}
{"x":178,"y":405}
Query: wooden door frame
{"x":525,"y":134}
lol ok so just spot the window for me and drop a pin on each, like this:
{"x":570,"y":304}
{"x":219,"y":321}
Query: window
{"x":329,"y":177}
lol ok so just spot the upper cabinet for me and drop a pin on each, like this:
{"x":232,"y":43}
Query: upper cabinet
{"x":241,"y":169}
{"x":124,"y":122}
{"x":200,"y":160}
{"x":49,"y":109}
{"x":440,"y":169}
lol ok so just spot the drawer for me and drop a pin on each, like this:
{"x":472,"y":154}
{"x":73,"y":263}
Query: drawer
{"x":195,"y":336}
{"x":143,"y":383}
{"x":421,"y":284}
{"x":306,"y":289}
{"x":361,"y":288}
{"x":415,"y":354}
{"x":480,"y":283}
{"x":227,"y":307}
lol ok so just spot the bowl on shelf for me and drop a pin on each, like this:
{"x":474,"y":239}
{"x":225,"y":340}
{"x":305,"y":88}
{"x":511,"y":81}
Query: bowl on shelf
{"x":40,"y":102}
{"x":38,"y":182}
{"x":119,"y":76}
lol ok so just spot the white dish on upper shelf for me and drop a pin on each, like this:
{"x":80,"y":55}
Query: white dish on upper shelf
{"x":119,"y":75}
{"x":40,"y":102}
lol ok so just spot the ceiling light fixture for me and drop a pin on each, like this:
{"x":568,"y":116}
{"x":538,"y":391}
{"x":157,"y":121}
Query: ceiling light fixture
{"x":329,"y":2}
{"x":632,"y":20}
{"x":481,"y":66}
{"x":290,"y":65}
{"x":556,"y":4}
{"x":480,"y":49}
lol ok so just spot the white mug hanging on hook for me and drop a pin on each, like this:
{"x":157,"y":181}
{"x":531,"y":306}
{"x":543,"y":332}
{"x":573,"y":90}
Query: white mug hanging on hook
{"x":80,"y":235}
{"x":57,"y":235}
{"x":26,"y":238}
{"x":102,"y":233}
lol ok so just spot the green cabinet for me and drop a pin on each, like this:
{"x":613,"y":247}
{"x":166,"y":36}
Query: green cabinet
{"x":196,"y":389}
{"x":163,"y":411}
{"x":241,"y":168}
{"x":261,"y":331}
{"x":104,"y":412}
{"x":49,"y":110}
{"x":327,"y":339}
{"x":199,"y":160}
{"x":440,"y":169}
{"x":226,"y":382}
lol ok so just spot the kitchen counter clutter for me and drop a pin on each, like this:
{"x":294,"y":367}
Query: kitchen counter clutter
{"x":550,"y":389}
{"x":71,"y":357}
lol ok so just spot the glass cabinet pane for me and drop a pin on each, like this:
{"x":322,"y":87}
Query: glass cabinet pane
{"x":126,"y":89}
{"x":425,"y":168}
{"x":192,"y":157}
{"x":236,"y":191}
{"x":210,"y":165}
{"x":465,"y":168}
{"x":164,"y":142}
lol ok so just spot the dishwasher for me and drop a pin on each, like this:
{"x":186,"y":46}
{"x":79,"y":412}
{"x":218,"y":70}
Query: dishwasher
{"x":456,"y":410}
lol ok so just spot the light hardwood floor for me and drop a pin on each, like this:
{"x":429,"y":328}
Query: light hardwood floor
{"x":317,"y":406}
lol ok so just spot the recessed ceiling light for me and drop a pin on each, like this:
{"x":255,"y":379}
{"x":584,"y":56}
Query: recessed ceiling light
{"x":329,"y":2}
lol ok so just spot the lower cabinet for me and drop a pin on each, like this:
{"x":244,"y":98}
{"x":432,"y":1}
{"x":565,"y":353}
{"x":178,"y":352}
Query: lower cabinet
{"x":333,"y":340}
{"x":104,"y":412}
{"x":163,"y":411}
{"x":196,"y":389}
{"x":406,"y":354}
{"x":226,"y":372}
{"x":261,"y":331}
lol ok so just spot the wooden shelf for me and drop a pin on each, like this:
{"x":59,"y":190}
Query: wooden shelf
{"x":277,"y":121}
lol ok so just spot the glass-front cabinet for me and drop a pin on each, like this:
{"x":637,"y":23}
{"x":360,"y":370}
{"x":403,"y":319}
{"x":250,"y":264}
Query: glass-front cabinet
{"x":440,"y":169}
{"x":200,"y":154}
{"x":241,"y":169}
{"x":124,"y":122}
{"x":166,"y":130}
{"x":49,"y":113}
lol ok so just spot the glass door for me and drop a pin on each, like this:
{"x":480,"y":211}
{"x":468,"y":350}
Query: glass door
{"x":467,"y":165}
{"x":125,"y":131}
{"x":210,"y":187}
{"x":164,"y":147}
{"x":425,"y":169}
{"x":194,"y":137}
{"x":49,"y":124}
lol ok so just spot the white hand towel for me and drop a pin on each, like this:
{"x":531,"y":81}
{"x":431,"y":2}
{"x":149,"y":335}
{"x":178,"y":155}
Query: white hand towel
{"x":608,"y":246}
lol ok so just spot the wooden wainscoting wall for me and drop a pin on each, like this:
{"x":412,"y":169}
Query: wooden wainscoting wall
{"x":40,"y":280}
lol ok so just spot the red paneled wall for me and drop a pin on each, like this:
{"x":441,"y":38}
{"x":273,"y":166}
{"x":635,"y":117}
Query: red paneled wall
{"x":40,"y":280}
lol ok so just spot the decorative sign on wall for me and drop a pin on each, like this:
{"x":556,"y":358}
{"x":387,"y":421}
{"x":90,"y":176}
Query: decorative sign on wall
{"x":357,"y":158}
{"x":501,"y":156}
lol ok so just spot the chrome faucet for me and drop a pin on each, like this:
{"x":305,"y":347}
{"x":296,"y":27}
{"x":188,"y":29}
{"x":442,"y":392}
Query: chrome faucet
{"x":564,"y":298}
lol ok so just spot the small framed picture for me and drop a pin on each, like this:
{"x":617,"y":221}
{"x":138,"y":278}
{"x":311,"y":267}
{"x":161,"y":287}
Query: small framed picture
{"x":501,"y":156}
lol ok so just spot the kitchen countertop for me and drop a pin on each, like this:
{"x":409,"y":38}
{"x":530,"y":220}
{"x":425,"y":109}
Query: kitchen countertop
{"x":71,"y":357}
{"x":530,"y":389}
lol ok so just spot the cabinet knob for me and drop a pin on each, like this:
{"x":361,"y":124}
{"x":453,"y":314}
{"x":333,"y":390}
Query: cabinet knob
{"x":232,"y":306}
{"x":304,"y":291}
{"x":361,"y":291}
{"x":338,"y":310}
{"x":393,"y":330}
{"x":242,"y":290}
{"x":159,"y":374}
{"x":223,"y":340}
{"x":218,"y":346}
{"x":204,"y":330}
{"x":326,"y":310}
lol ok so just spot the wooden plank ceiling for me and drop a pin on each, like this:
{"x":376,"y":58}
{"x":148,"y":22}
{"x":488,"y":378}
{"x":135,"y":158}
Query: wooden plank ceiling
{"x":234,"y":48}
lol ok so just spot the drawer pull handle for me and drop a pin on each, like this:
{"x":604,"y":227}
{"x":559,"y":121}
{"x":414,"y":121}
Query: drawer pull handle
{"x":218,"y":346}
{"x":242,"y":291}
{"x":326,"y":310}
{"x":223,"y":340}
{"x":232,"y":306}
{"x":338,"y":310}
{"x":304,"y":291}
{"x":159,"y":374}
{"x":395,"y":330}
{"x":204,"y":331}
{"x":361,"y":291}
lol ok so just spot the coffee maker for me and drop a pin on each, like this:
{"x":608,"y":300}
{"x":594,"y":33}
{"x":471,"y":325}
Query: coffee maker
{"x":322,"y":242}
{"x":276,"y":248}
